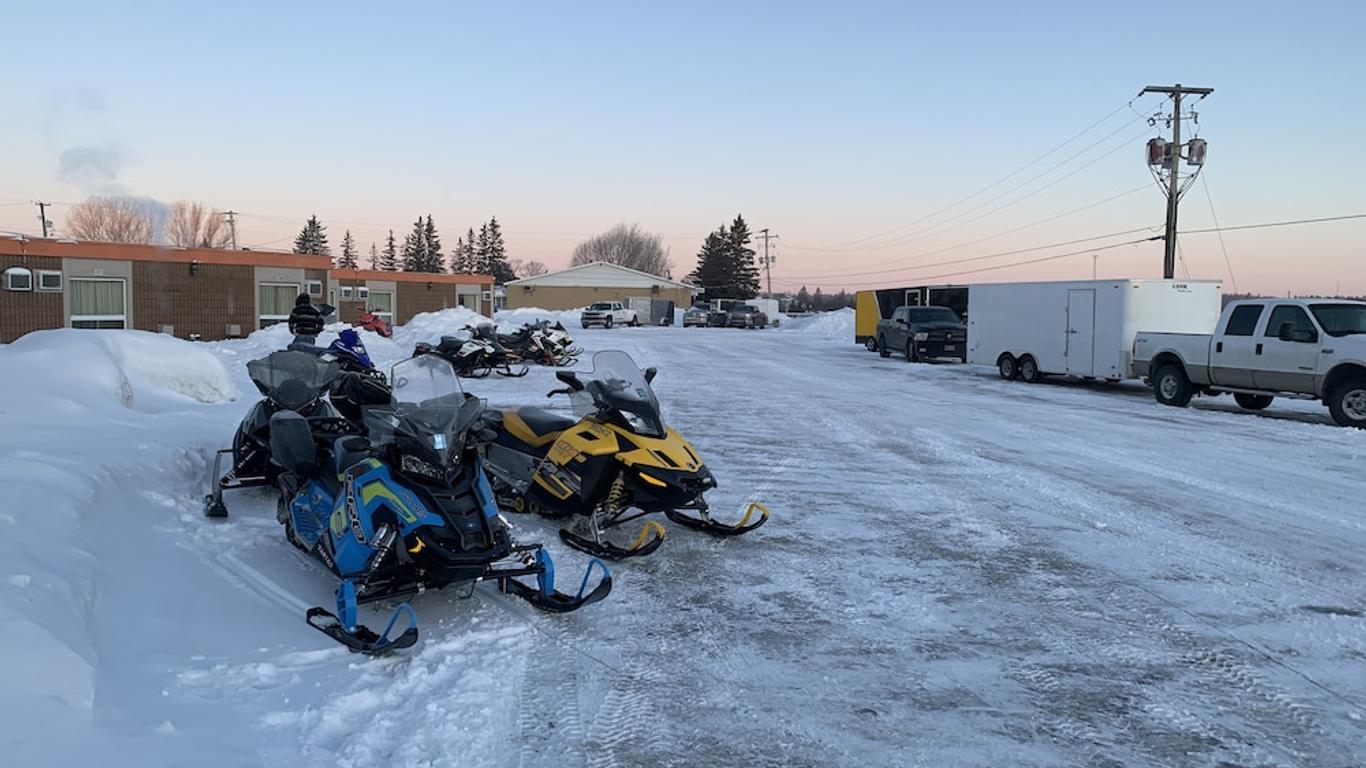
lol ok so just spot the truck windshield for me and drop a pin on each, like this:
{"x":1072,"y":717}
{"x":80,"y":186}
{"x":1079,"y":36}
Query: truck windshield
{"x":933,"y":315}
{"x":602,"y":305}
{"x":1340,"y":319}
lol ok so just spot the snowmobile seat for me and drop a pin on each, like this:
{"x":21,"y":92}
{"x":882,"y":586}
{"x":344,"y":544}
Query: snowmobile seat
{"x":350,"y":451}
{"x":536,"y":427}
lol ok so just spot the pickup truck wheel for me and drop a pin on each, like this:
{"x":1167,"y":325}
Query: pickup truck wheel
{"x":1347,"y":403}
{"x":911,"y":355}
{"x":1252,"y":402}
{"x":635,"y":323}
{"x":1007,"y":367}
{"x":882,"y":350}
{"x":1029,"y":370}
{"x":607,"y":323}
{"x":1172,"y":387}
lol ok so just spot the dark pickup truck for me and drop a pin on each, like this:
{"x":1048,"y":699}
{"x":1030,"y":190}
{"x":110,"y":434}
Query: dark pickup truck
{"x":923,"y":333}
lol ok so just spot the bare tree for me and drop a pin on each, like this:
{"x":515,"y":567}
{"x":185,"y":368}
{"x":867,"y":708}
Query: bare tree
{"x":110,"y":220}
{"x":191,"y":226}
{"x":627,"y":246}
{"x":522,"y":268}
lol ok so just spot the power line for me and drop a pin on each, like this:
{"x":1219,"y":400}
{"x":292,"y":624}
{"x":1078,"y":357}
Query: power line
{"x":1204,"y":182}
{"x":985,"y":257}
{"x":1268,"y":224}
{"x":1008,"y":176}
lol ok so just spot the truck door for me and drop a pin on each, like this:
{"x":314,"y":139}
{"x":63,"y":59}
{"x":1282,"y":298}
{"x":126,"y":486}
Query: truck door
{"x":1287,"y":366}
{"x":1081,"y":332}
{"x":896,"y":335}
{"x":1232,"y":358}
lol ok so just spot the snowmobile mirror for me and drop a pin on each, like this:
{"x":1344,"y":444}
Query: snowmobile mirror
{"x":570,"y":378}
{"x":650,"y":374}
{"x":326,"y":310}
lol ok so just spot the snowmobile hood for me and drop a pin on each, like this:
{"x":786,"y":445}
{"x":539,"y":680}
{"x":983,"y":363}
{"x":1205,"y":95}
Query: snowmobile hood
{"x":672,"y":452}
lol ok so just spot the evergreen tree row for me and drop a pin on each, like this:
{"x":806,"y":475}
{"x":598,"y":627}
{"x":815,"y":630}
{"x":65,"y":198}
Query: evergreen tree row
{"x":484,"y":253}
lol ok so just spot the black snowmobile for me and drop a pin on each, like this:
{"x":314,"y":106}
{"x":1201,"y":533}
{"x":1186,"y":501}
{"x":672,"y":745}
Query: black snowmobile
{"x":403,"y":510}
{"x":473,"y":352}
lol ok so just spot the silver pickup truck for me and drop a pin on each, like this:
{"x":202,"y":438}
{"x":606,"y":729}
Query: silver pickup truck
{"x":1263,"y":349}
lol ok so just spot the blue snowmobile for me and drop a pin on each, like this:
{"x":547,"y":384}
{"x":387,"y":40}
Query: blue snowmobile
{"x":403,"y":509}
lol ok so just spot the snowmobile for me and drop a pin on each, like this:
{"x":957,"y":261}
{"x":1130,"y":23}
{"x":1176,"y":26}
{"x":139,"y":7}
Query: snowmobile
{"x":294,"y":379}
{"x":371,"y":321}
{"x":472,"y":356}
{"x":541,"y":343}
{"x":359,"y":383}
{"x":406,"y":509}
{"x":615,"y":463}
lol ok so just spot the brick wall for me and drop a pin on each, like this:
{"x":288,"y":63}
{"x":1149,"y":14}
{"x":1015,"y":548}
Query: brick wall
{"x":165,"y":293}
{"x":24,"y":311}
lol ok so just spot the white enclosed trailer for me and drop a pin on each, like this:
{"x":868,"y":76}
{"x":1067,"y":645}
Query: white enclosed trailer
{"x":1080,"y":328}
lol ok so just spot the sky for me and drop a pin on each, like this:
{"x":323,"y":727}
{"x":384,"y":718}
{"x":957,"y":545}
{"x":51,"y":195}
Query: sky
{"x":883,"y":143}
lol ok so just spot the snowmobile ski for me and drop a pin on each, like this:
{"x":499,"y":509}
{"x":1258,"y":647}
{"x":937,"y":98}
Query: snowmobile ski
{"x":358,"y":638}
{"x":705,"y":523}
{"x":651,"y":536}
{"x":545,"y":597}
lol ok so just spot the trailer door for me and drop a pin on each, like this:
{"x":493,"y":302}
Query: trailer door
{"x":1081,"y":332}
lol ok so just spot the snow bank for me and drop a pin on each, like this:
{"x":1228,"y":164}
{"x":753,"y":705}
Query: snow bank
{"x":136,"y":369}
{"x":431,"y":326}
{"x":512,"y":319}
{"x":837,"y":325}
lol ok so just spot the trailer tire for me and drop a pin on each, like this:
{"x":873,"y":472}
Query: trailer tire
{"x":1347,"y":403}
{"x":882,"y":350}
{"x":1007,"y":366}
{"x":1171,"y":386}
{"x":1029,"y":370}
{"x":870,"y":344}
{"x":1252,"y":402}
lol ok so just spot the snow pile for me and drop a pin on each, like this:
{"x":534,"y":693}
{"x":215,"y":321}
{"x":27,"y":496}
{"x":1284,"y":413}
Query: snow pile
{"x":136,"y":369}
{"x":431,"y":326}
{"x":512,"y":319}
{"x":837,"y":325}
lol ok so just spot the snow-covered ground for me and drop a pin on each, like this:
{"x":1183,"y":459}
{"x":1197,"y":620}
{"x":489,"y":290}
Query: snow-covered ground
{"x":959,"y":571}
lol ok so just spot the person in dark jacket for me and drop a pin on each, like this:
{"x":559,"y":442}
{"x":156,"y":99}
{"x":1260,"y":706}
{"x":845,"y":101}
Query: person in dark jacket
{"x":305,"y":322}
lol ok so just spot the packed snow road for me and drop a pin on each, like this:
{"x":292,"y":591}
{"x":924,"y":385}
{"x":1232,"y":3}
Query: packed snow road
{"x":959,"y":571}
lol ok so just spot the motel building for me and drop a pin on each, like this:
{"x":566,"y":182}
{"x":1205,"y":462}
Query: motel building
{"x":201,"y":293}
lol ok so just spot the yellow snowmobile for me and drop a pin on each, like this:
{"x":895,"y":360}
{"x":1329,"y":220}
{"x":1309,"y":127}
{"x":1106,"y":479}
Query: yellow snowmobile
{"x":616,"y":463}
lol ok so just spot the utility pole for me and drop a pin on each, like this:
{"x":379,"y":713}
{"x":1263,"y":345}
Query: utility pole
{"x":768,"y":260}
{"x":1095,"y":259}
{"x":1174,"y":166}
{"x":42,"y":215}
{"x":232,"y":226}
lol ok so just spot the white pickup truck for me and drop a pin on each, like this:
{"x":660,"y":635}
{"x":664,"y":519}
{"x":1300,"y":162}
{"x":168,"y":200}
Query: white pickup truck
{"x":608,"y":314}
{"x":1263,"y":349}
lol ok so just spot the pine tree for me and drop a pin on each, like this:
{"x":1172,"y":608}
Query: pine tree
{"x":803,"y":298}
{"x":348,"y":254}
{"x":432,"y":244}
{"x":459,"y":264}
{"x":389,"y":260}
{"x":413,"y":257}
{"x":744,"y":271}
{"x":713,"y":266}
{"x":496,"y":261}
{"x":480,"y":262}
{"x":374,"y":257}
{"x":471,"y":257}
{"x":312,"y":239}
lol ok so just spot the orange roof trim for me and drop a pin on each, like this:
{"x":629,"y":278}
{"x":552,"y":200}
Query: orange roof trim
{"x":130,"y":252}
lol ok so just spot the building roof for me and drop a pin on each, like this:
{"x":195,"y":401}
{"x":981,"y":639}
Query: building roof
{"x":75,"y":249}
{"x":411,"y":277}
{"x":600,"y":274}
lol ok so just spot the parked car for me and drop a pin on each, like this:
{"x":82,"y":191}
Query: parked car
{"x":696,"y":316}
{"x":923,"y":333}
{"x":608,"y":314}
{"x":746,"y":316}
{"x":1082,"y":328}
{"x":1262,"y":349}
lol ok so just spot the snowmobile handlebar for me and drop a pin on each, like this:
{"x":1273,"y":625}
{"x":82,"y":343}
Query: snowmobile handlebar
{"x":570,"y":378}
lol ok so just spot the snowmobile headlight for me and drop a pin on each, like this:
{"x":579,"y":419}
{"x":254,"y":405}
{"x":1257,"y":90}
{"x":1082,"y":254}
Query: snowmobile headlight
{"x":415,"y":466}
{"x":653,"y":480}
{"x":922,"y":336}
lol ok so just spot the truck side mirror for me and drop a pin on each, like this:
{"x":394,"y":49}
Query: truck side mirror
{"x":650,"y":374}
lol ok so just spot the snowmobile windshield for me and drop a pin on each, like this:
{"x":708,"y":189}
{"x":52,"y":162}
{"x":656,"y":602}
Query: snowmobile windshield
{"x":617,"y":385}
{"x":292,"y":378}
{"x":428,"y":416}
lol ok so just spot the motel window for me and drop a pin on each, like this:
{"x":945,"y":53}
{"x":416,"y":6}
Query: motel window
{"x":346,"y":293}
{"x":314,"y":288}
{"x":382,"y":304}
{"x":468,"y":300}
{"x":49,"y":280}
{"x":18,"y":279}
{"x":97,"y":302}
{"x":362,"y":293}
{"x":276,"y":302}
